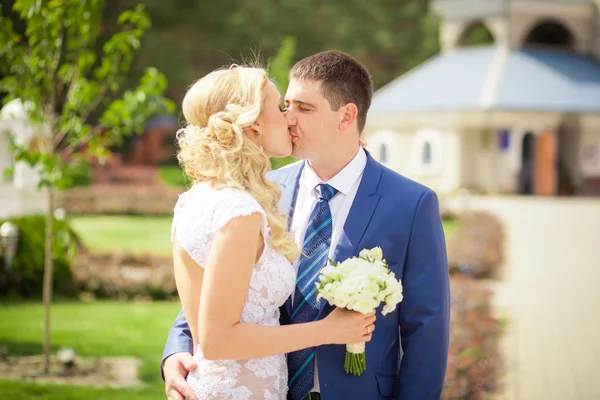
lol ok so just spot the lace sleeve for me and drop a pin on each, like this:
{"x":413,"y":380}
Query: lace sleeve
{"x":198,"y":215}
{"x":191,"y":226}
{"x":236,"y":203}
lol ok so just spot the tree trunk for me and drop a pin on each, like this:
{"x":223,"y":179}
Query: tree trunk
{"x":48,"y":278}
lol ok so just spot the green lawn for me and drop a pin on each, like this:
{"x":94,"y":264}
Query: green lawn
{"x":120,"y":233}
{"x":139,"y":234}
{"x":172,"y":175}
{"x":92,"y":329}
{"x":449,"y":226}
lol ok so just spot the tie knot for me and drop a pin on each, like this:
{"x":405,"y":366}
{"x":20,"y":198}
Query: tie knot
{"x":325,"y":191}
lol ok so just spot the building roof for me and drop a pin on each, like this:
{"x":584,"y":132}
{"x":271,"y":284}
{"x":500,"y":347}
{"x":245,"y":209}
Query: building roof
{"x":494,"y":77}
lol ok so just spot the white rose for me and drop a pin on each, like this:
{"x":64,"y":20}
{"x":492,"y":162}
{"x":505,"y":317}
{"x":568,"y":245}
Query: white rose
{"x":349,"y":267}
{"x":387,"y":309}
{"x":324,"y":291}
{"x":364,"y":305}
{"x":393,"y":299}
{"x":381,"y":296}
{"x":329,"y":274}
{"x":376,"y":254}
{"x":371,"y":289}
{"x":339,"y":297}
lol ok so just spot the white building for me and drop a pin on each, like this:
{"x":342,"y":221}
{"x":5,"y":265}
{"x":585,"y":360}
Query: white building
{"x":521,"y":115}
{"x":19,"y":192}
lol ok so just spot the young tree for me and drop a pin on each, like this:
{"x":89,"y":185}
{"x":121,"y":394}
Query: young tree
{"x":55,"y":71}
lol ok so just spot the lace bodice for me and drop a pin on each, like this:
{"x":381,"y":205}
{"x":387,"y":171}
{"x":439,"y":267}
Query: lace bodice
{"x":199,"y":213}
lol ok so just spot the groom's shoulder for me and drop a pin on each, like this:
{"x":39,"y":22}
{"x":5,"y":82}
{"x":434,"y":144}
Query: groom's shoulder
{"x":280,"y":174}
{"x":394,"y":181}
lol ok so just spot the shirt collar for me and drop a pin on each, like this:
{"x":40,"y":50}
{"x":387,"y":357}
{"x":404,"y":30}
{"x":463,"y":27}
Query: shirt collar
{"x":344,"y":180}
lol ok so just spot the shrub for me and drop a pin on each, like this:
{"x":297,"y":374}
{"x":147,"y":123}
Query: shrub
{"x":27,"y":274}
{"x":476,"y":246}
{"x":81,"y":175}
{"x":125,"y":276}
{"x":473,"y":359}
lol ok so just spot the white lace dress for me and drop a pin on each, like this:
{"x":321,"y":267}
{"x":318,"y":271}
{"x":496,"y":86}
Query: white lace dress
{"x":199,"y":213}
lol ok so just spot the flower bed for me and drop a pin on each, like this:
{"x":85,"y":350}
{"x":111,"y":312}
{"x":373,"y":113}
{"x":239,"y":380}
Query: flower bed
{"x":124,"y":276}
{"x":476,"y":247}
{"x":473,"y":359}
{"x":120,"y":199}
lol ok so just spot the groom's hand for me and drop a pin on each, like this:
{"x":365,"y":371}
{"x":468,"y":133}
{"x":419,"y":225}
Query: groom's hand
{"x":175,"y":370}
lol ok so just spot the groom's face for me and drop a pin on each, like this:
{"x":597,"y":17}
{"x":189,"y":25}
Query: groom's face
{"x":314,"y":126}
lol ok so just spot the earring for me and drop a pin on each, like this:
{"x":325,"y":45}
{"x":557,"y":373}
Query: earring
{"x":259,"y":141}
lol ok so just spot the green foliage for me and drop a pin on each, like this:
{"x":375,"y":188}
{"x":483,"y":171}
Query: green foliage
{"x":191,"y":38}
{"x":81,"y":174}
{"x":277,"y":163}
{"x":54,"y":70}
{"x":279,"y":67}
{"x":172,"y":175}
{"x":476,"y":34}
{"x":26,"y":277}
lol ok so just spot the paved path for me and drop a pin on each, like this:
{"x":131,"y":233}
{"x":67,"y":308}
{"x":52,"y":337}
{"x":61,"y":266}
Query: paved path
{"x":551,"y":296}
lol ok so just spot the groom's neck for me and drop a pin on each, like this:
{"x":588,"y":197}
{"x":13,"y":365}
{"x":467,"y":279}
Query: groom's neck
{"x":330,"y":166}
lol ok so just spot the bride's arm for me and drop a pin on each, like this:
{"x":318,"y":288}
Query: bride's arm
{"x":227,"y":275}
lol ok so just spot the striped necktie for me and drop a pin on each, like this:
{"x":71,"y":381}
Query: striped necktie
{"x":315,"y":249}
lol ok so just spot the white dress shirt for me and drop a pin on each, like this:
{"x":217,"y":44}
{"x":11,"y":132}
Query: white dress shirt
{"x":346,"y":182}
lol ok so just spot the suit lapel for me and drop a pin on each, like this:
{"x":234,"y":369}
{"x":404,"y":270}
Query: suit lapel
{"x":289,"y":194}
{"x":289,"y":191}
{"x":360,"y":215}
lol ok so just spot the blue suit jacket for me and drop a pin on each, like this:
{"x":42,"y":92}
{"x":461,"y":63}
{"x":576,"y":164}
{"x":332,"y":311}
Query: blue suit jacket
{"x":407,"y":356}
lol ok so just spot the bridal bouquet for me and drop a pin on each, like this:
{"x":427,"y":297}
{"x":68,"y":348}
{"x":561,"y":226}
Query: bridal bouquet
{"x":360,"y":284}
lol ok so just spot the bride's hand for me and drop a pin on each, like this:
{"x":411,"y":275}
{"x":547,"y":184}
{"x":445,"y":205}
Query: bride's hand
{"x":343,"y":326}
{"x":175,"y":370}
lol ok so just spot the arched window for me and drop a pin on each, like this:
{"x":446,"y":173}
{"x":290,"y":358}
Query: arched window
{"x":550,"y":34}
{"x":426,"y":152}
{"x":476,"y":34}
{"x":383,"y":153}
{"x":426,"y":160}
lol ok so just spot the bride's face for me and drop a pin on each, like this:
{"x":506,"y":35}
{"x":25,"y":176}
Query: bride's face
{"x":275,"y":139}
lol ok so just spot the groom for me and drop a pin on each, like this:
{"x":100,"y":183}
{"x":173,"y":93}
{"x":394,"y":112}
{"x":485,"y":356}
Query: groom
{"x":328,"y":98}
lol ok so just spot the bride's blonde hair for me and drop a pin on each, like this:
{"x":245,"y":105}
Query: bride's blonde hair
{"x":214,"y":148}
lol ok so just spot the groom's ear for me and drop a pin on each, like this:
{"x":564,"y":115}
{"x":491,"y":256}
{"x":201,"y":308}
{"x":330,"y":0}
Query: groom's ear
{"x":348,"y":114}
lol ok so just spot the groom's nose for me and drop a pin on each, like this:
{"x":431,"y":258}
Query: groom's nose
{"x":291,"y":119}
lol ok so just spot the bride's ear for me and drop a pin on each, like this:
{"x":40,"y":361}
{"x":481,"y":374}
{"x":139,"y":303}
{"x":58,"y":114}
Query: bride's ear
{"x":255,"y":128}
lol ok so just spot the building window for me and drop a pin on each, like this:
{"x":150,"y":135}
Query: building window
{"x":504,"y":139}
{"x":551,"y":34}
{"x":426,"y":152}
{"x":426,"y":160}
{"x":383,"y":153}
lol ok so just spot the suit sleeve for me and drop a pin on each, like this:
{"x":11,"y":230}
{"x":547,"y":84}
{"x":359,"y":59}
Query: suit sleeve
{"x":179,"y":339}
{"x":425,"y":310}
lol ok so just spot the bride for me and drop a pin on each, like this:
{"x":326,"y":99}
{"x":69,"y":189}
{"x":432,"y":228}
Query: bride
{"x":232,"y":255}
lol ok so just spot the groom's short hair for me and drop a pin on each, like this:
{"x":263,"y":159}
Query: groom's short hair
{"x":343,"y":80}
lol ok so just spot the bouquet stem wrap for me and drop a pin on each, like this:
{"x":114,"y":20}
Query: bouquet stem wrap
{"x":355,"y":362}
